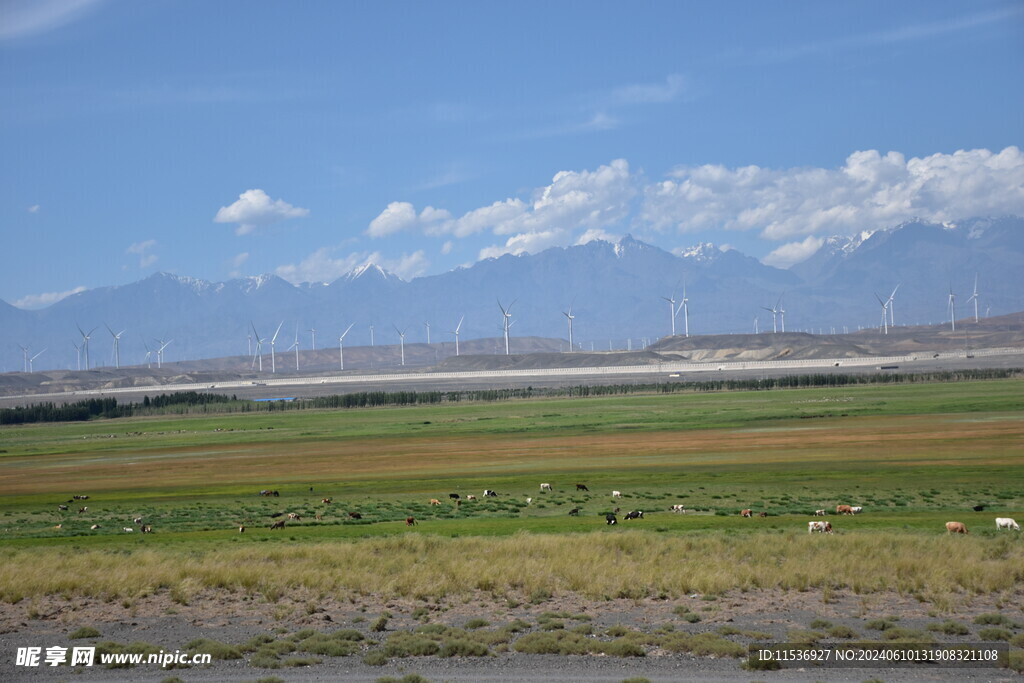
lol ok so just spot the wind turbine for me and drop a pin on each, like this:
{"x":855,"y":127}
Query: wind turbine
{"x":456,"y":333}
{"x":428,"y":331}
{"x":341,"y":346}
{"x":24,"y":353}
{"x":117,"y":341}
{"x":570,"y":317}
{"x":888,"y":302}
{"x":312,"y":331}
{"x":295,"y":346}
{"x":32,"y":359}
{"x":672,"y":311}
{"x":401,"y":334}
{"x":775,"y":311}
{"x":259,"y":348}
{"x":148,"y":361}
{"x":78,"y":353}
{"x":885,"y":320}
{"x":974,"y":297}
{"x":686,"y":312}
{"x":160,"y":351}
{"x":273,"y":360}
{"x":952,"y":309}
{"x":507,"y":321}
{"x":85,"y":343}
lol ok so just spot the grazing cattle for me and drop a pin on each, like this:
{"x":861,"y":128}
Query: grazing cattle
{"x":94,"y":527}
{"x":635,"y":514}
{"x":318,"y":517}
{"x":470,"y":497}
{"x":279,"y":524}
{"x":355,"y":515}
{"x":677,"y":508}
{"x":327,"y":501}
{"x":85,"y":509}
{"x":581,"y":487}
{"x":762,"y":514}
{"x":978,"y":508}
{"x":529,"y":500}
{"x":268,"y":492}
{"x":610,"y":519}
{"x":241,"y":528}
{"x":1006,"y":523}
{"x":137,"y":520}
{"x":746,"y":513}
{"x":294,"y":515}
{"x":453,"y":496}
{"x":62,"y":507}
{"x":81,"y":497}
{"x":545,"y":487}
{"x":820,"y":527}
{"x":616,"y":494}
{"x":435,"y":501}
{"x":575,"y":512}
{"x":59,"y":526}
{"x":490,"y":494}
{"x":844,"y":510}
{"x":128,"y":530}
{"x":956,"y":528}
{"x":819,"y":513}
{"x":856,"y":510}
{"x":617,"y":510}
{"x":146,"y":529}
{"x":410,"y":521}
{"x":275,"y":514}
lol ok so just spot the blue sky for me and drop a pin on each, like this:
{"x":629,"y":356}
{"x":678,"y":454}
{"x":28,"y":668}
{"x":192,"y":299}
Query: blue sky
{"x":225,"y":139}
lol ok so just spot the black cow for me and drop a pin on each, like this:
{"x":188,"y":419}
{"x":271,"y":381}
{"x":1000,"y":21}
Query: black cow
{"x":581,"y":487}
{"x":355,"y":515}
{"x":610,"y":519}
{"x":978,"y":508}
{"x":490,"y":494}
{"x":453,"y":496}
{"x":635,"y":514}
{"x":575,"y":512}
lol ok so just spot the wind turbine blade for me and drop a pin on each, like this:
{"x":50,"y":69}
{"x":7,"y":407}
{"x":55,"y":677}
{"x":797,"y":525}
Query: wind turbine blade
{"x":346,"y":331}
{"x":459,"y":326}
{"x":274,"y":339}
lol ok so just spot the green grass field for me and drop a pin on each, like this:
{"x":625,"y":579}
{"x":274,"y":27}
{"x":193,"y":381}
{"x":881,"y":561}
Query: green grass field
{"x":914,"y":456}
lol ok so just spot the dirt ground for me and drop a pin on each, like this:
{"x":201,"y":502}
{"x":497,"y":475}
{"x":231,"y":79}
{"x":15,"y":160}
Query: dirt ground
{"x":234,"y":618}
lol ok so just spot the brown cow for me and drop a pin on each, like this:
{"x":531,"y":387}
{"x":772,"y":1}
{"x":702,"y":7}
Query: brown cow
{"x":844,"y":510}
{"x":279,"y":524}
{"x":435,"y":501}
{"x":355,"y":515}
{"x":746,"y":513}
{"x":762,"y":514}
{"x":956,"y":528}
{"x":410,"y":521}
{"x":326,"y":501}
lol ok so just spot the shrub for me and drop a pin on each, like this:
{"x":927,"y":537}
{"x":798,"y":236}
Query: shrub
{"x":841,"y":631}
{"x":995,"y":634}
{"x":84,"y":632}
{"x":553,"y":643}
{"x":993,"y":619}
{"x":623,"y":647}
{"x":375,"y":658}
{"x":820,"y":623}
{"x":380,"y":625}
{"x":460,"y":647}
{"x":322,"y":644}
{"x":477,"y":623}
{"x":215,"y":648}
{"x":950,"y":628}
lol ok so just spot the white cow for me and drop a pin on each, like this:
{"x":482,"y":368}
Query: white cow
{"x":820,"y":527}
{"x":856,"y":510}
{"x":529,"y":500}
{"x":1007,"y":523}
{"x":677,"y":508}
{"x":616,"y":494}
{"x":545,"y":487}
{"x":819,"y":513}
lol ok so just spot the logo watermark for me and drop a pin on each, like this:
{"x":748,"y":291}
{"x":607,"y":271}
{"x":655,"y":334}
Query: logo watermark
{"x":86,"y":656}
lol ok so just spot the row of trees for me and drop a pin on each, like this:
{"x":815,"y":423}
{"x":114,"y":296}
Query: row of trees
{"x":193,"y":402}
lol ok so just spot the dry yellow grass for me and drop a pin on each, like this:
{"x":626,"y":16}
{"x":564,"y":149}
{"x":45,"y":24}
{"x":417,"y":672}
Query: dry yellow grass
{"x":595,"y":566}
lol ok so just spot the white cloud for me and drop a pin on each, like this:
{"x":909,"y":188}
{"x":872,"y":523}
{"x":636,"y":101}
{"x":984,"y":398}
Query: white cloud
{"x":794,"y":252}
{"x":34,"y":208}
{"x":650,"y":93}
{"x":32,"y":301}
{"x":254,"y":208}
{"x":869,"y":191}
{"x":596,"y":234}
{"x":572,"y":204}
{"x":323,"y":266}
{"x":142,"y":249}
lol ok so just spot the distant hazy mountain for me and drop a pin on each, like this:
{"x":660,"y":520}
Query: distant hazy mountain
{"x":617,"y":293}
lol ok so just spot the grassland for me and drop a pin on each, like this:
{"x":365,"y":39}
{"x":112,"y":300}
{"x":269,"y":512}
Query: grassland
{"x":914,"y":456}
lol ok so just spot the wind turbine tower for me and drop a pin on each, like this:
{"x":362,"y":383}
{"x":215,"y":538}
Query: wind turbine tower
{"x":672,"y":312}
{"x":78,"y":353}
{"x":85,"y":343}
{"x":428,"y":331}
{"x":312,"y":331}
{"x":570,"y":317}
{"x":160,"y":351}
{"x":884,"y":327}
{"x":952,"y":309}
{"x":24,"y":354}
{"x":117,"y":342}
{"x":401,"y":335}
{"x":506,"y":322}
{"x":456,"y":333}
{"x":259,"y":348}
{"x":774,"y":311}
{"x":341,"y":346}
{"x":974,"y":297}
{"x":273,"y":360}
{"x":889,"y":303}
{"x":686,"y":313}
{"x":295,"y":345}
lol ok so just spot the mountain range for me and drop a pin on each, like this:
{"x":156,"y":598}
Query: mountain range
{"x":616,"y":292}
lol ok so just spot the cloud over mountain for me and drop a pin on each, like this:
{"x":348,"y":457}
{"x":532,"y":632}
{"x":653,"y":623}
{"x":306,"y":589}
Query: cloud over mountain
{"x":255,"y":208}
